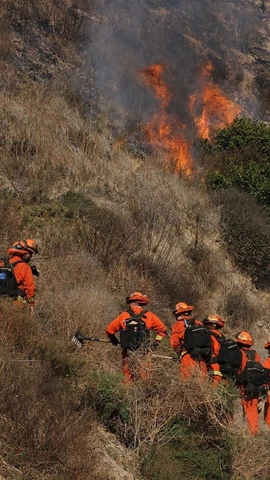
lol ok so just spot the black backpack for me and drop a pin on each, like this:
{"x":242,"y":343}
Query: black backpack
{"x":254,"y":376}
{"x":229,"y":357}
{"x":136,"y":334}
{"x":8,"y":283}
{"x":197,"y":342}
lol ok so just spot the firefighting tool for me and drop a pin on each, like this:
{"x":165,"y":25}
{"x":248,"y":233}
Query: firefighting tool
{"x":79,"y":339}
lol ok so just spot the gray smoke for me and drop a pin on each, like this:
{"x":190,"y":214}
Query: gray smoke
{"x":129,"y":35}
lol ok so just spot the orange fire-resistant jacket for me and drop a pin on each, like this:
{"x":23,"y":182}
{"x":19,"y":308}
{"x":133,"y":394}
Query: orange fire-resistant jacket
{"x":24,"y":278}
{"x":151,"y":320}
{"x":266,"y":364}
{"x":214,"y":367}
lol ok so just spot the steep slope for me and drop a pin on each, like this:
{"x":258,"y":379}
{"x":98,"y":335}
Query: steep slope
{"x":111,"y":217}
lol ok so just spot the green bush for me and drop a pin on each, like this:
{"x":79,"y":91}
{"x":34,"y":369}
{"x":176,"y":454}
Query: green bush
{"x":107,"y":394}
{"x":190,"y":455}
{"x":239,"y":156}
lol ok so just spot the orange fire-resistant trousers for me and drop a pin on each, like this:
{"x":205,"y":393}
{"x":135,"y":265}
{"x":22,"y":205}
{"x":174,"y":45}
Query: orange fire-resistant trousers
{"x":250,"y":408}
{"x":267,"y":409}
{"x":136,"y":366}
{"x":189,"y":366}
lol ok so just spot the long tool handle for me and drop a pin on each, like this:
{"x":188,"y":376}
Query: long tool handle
{"x":95,"y":339}
{"x":162,"y":356}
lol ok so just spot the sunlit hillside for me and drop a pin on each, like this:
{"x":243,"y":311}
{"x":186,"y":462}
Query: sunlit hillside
{"x":111,"y":160}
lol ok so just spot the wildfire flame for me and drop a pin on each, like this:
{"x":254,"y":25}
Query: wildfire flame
{"x":165,"y":131}
{"x":210,"y":109}
{"x":216,"y":109}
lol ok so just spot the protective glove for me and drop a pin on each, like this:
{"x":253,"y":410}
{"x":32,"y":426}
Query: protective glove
{"x":114,"y":340}
{"x":155,"y":345}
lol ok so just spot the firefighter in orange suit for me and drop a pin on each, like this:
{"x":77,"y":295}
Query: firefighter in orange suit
{"x":136,"y":356}
{"x":183,"y":316}
{"x":215,"y":323}
{"x":266,"y":364}
{"x":250,"y":405}
{"x":20,"y":254}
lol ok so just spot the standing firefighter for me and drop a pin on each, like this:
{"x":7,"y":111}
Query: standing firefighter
{"x":190,"y":340}
{"x":16,"y":276}
{"x":226,"y":357}
{"x":252,"y":380}
{"x":266,"y":365}
{"x":134,"y":326}
{"x":214,"y":323}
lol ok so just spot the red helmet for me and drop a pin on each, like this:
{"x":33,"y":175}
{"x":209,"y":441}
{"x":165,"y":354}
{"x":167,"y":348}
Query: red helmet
{"x":245,"y":338}
{"x":137,"y":297}
{"x":182,"y":307}
{"x":23,"y":247}
{"x":267,"y":345}
{"x":214,"y":320}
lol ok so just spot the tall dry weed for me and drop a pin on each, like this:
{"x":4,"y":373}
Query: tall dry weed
{"x":42,"y":430}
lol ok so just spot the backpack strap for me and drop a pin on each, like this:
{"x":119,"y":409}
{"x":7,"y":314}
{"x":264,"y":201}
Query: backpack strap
{"x":220,"y":338}
{"x":140,"y":316}
{"x":250,"y":354}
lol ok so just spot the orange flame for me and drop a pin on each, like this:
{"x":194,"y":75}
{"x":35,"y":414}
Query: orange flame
{"x":217,"y":110}
{"x":152,"y":78}
{"x":165,"y":131}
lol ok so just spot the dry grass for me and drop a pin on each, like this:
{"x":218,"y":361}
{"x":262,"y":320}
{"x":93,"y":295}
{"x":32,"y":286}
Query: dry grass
{"x":250,"y":457}
{"x":61,"y":17}
{"x":42,"y":429}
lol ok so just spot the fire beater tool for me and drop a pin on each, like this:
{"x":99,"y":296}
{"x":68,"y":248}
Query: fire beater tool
{"x":79,"y":339}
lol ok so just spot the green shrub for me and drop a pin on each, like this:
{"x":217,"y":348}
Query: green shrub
{"x":239,"y":156}
{"x":190,"y":455}
{"x":107,"y":394}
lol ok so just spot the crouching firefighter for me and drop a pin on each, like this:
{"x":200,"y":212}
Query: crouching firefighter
{"x":16,"y":275}
{"x":191,"y":341}
{"x":134,"y":326}
{"x":252,"y":380}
